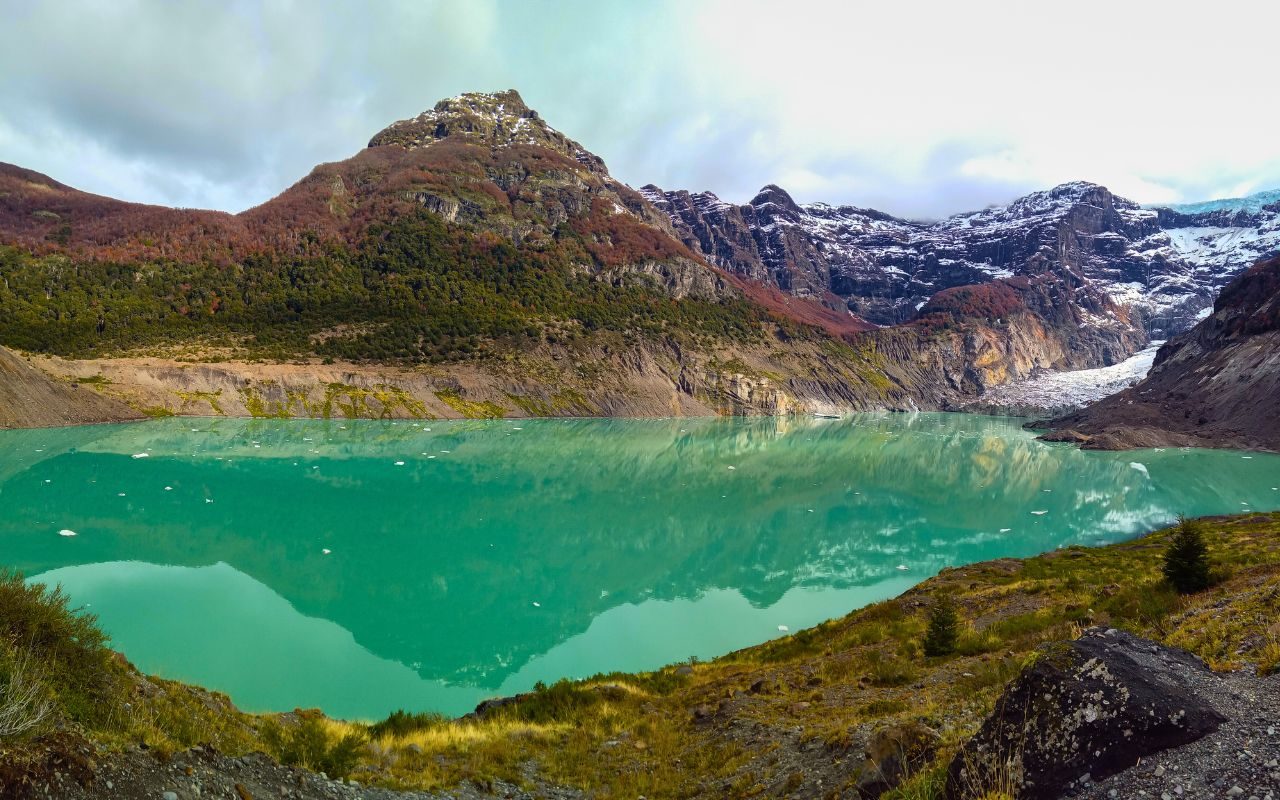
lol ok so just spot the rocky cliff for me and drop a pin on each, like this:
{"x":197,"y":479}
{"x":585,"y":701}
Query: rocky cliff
{"x":1163,"y":265}
{"x":29,"y":398}
{"x":1217,"y":385}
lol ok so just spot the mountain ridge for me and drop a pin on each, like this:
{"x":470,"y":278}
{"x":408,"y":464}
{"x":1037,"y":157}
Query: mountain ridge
{"x":1164,"y":264}
{"x":475,"y":234}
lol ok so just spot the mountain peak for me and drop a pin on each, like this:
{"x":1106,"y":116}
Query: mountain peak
{"x":772,"y":193}
{"x":495,"y":119}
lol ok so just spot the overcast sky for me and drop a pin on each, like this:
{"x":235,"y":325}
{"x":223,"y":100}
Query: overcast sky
{"x":918,"y":108}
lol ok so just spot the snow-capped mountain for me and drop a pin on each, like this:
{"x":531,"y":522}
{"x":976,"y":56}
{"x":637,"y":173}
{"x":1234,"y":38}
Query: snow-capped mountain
{"x":1163,"y":265}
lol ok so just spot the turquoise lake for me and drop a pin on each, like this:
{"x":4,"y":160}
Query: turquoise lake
{"x":363,"y":566}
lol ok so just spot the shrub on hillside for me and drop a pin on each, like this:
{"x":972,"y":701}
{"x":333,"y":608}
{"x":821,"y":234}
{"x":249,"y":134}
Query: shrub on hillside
{"x":944,"y":628}
{"x":402,"y":723}
{"x":309,"y":745}
{"x":1186,"y":562}
{"x":52,"y":655}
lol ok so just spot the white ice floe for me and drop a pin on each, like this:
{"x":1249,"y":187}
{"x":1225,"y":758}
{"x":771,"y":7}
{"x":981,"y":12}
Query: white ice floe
{"x":399,"y":463}
{"x":168,"y":488}
{"x":141,"y":455}
{"x":536,"y":604}
{"x":1039,"y":513}
{"x":326,"y":551}
{"x":783,"y":628}
{"x":902,"y":567}
{"x":66,"y":532}
{"x":1005,"y":530}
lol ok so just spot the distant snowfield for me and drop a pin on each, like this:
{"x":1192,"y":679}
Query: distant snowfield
{"x":1056,"y":390}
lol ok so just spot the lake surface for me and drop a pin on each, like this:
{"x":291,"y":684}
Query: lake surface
{"x":364,"y":566}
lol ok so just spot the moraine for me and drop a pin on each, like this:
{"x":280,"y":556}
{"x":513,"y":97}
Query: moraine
{"x":429,"y":565}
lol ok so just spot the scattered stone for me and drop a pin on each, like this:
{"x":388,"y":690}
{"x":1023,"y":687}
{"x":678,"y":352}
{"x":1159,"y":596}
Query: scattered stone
{"x":893,"y":753}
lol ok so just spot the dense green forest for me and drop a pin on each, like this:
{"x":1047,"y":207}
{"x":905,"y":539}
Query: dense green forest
{"x":412,"y":290}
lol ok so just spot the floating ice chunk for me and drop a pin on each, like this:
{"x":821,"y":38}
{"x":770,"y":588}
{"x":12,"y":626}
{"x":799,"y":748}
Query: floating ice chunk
{"x":732,"y":467}
{"x":326,"y":551}
{"x":141,"y":455}
{"x":1246,"y":457}
{"x":517,"y":429}
{"x":66,"y":532}
{"x":1005,"y":530}
{"x":399,"y":463}
{"x":1046,"y":490}
{"x":603,"y":593}
{"x":536,"y":604}
{"x":208,"y":500}
{"x":121,"y":494}
{"x":1140,"y":468}
{"x":783,"y":628}
{"x":903,"y":567}
{"x":1039,"y":513}
{"x":168,"y":488}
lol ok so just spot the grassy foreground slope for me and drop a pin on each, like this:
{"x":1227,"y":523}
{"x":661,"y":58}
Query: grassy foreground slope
{"x":787,"y":718}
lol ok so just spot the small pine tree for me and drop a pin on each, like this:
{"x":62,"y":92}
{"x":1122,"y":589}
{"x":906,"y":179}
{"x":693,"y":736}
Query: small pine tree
{"x":1186,"y":562}
{"x":944,"y":628}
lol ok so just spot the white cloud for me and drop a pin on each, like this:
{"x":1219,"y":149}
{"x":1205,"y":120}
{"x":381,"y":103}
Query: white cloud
{"x":921,"y":108}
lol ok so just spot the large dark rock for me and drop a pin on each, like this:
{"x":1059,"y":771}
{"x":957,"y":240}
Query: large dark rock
{"x":1091,"y":707}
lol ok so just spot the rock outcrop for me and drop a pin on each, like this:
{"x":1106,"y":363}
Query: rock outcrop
{"x":29,"y":398}
{"x":1081,"y":712}
{"x":1217,"y":385}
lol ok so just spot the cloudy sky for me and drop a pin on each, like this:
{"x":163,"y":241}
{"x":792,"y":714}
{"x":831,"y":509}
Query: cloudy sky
{"x":918,"y":108}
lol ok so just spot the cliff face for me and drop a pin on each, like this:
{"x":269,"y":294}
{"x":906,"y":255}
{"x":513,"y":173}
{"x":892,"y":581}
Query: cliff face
{"x":1162,"y":265}
{"x":1217,"y":385}
{"x":30,"y":398}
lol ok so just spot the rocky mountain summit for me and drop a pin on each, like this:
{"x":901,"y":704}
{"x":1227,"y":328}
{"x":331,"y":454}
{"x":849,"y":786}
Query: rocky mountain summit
{"x":498,"y":119}
{"x":1162,"y":266}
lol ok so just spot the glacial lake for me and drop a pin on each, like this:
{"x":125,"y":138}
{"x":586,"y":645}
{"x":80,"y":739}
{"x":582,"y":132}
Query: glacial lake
{"x":364,"y":566}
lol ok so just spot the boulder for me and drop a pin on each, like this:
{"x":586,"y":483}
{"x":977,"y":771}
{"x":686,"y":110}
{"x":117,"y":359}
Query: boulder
{"x":894,"y":753}
{"x":1092,"y":707}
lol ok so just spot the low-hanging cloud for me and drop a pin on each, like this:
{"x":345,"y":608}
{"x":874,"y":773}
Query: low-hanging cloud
{"x":921,"y":109}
